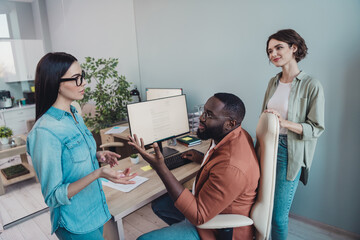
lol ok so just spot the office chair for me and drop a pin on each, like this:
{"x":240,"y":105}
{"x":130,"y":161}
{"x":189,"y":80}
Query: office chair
{"x":267,"y":135}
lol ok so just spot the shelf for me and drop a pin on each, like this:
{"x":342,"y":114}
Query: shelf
{"x":7,"y":182}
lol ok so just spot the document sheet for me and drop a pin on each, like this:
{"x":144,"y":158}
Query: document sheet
{"x":125,"y":187}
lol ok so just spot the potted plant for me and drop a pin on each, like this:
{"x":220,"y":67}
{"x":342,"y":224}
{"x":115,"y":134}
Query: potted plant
{"x":110,"y":93}
{"x":5,"y":133}
{"x":134,"y":158}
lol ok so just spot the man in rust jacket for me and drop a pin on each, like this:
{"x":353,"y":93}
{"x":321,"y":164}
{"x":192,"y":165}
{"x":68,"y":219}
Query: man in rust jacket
{"x":226,"y":182}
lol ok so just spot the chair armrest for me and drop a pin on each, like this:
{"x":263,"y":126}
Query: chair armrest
{"x":227,"y":221}
{"x":112,"y":144}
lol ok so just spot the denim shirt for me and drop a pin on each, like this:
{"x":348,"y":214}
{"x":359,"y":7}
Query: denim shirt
{"x":306,"y":107}
{"x":63,"y":152}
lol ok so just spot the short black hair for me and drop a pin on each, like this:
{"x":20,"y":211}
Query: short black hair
{"x":233,"y":105}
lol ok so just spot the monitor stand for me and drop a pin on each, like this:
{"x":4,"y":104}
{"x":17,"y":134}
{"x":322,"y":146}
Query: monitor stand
{"x":166,"y":151}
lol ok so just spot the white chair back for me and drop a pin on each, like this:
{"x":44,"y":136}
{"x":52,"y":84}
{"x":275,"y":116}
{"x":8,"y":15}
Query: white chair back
{"x":267,"y":136}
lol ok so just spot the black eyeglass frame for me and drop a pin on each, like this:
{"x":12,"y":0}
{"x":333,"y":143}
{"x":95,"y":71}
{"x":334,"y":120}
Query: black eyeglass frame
{"x":82,"y":76}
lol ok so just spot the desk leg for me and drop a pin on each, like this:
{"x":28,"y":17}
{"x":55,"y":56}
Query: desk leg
{"x":120,"y":228}
{"x":114,"y":230}
{"x":110,"y":230}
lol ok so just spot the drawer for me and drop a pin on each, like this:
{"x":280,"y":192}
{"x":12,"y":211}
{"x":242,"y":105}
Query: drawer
{"x":25,"y":114}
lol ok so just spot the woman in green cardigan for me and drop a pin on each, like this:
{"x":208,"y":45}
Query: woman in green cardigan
{"x":298,"y":101}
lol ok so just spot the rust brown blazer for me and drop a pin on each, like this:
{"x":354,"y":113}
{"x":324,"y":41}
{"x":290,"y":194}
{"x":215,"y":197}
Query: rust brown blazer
{"x":226,"y":183}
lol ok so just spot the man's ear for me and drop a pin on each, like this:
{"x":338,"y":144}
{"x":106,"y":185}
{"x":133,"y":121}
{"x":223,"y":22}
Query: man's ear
{"x":230,"y":124}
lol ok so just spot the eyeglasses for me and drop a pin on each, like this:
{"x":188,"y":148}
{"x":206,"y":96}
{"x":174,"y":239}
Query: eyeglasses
{"x":207,"y":115}
{"x":79,"y":79}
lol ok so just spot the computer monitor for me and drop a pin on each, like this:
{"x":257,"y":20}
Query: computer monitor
{"x":156,"y":93}
{"x":158,"y":120}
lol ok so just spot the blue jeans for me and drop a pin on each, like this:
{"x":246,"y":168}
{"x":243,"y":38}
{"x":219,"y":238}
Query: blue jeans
{"x":180,"y":228}
{"x":284,"y":193}
{"x":64,"y":234}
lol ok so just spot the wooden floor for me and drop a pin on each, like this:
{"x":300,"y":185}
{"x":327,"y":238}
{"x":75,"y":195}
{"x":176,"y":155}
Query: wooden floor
{"x":24,"y":198}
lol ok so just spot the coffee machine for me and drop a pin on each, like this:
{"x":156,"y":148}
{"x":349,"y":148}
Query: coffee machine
{"x":5,"y":99}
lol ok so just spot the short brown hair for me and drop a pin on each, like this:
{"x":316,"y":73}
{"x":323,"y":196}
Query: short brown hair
{"x":291,"y":37}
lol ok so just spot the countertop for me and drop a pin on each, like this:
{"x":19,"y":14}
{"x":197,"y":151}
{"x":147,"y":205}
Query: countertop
{"x":17,"y":108}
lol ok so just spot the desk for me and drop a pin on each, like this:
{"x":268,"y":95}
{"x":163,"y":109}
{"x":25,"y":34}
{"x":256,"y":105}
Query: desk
{"x":122,"y":204}
{"x":9,"y":152}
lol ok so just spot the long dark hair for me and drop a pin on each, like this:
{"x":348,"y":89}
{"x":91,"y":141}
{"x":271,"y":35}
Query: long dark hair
{"x":49,"y":70}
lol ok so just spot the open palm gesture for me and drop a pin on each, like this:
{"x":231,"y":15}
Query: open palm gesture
{"x":156,"y":160}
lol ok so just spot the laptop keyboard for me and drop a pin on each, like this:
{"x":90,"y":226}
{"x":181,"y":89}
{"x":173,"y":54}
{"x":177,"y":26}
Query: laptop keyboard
{"x":175,"y":161}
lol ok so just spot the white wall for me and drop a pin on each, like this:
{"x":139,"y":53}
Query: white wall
{"x":214,"y":45}
{"x":99,"y":29}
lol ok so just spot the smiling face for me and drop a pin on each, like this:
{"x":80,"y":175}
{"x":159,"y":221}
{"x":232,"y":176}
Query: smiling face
{"x":212,"y":120}
{"x":68,"y":89}
{"x":280,"y":53}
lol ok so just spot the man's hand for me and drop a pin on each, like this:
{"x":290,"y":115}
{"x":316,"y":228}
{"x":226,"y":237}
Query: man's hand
{"x":108,"y":157}
{"x":156,"y":160}
{"x":193,"y":156}
{"x":117,"y":177}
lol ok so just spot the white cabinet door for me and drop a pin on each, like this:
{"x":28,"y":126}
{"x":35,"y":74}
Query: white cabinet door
{"x":16,"y":119}
{"x":26,"y":54}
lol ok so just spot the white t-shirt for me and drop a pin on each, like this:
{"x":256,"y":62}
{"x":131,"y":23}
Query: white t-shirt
{"x":280,"y":101}
{"x":205,"y":157}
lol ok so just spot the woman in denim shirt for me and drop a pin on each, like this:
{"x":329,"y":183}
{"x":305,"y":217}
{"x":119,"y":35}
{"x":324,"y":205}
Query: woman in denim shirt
{"x":64,"y":154}
{"x":298,"y":101}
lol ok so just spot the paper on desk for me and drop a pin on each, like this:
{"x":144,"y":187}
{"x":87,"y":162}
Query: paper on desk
{"x":126,"y":187}
{"x":115,"y":130}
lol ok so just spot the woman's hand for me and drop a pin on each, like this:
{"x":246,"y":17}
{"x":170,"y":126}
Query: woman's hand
{"x":108,"y":157}
{"x":282,"y":121}
{"x":156,"y":160}
{"x":116,"y":176}
{"x":193,"y":155}
{"x":292,"y":126}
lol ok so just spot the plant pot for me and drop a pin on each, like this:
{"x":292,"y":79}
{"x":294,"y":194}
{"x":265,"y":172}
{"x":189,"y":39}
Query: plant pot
{"x":4,"y":140}
{"x":134,"y":160}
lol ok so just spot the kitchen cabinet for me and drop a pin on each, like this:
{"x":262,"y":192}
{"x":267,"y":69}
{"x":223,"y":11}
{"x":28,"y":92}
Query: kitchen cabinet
{"x":15,"y":118}
{"x":24,"y":56}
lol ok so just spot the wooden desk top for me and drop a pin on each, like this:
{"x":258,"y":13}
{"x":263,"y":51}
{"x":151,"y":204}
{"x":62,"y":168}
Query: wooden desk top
{"x":121,"y":204}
